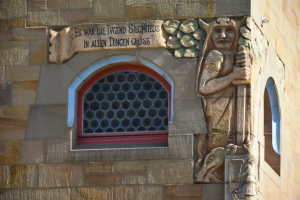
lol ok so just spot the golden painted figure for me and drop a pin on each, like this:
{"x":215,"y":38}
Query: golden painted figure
{"x":222,"y":61}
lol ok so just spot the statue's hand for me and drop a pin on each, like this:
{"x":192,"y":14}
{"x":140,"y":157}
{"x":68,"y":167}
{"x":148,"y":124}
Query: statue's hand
{"x":241,"y":73}
{"x":243,"y":57}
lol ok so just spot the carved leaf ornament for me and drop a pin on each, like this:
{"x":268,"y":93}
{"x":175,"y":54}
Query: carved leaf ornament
{"x":185,"y":38}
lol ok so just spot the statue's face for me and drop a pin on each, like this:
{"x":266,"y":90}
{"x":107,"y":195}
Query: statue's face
{"x":223,"y":37}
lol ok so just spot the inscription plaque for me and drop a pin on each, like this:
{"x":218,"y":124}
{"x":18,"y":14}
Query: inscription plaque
{"x":70,"y":40}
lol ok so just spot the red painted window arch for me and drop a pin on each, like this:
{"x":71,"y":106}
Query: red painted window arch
{"x":126,"y":137}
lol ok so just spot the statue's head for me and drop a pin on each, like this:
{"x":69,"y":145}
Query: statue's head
{"x":223,"y":34}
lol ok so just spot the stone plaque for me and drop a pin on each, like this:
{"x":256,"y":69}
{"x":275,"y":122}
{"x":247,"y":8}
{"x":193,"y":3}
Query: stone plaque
{"x":65,"y":43}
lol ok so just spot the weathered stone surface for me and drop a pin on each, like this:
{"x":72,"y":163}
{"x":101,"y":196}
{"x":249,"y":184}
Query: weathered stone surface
{"x":190,"y":192}
{"x":123,"y":193}
{"x":233,"y":8}
{"x":10,"y":152}
{"x":195,"y":10}
{"x":49,"y":193}
{"x":101,"y":179}
{"x":14,"y":53}
{"x":102,"y":10}
{"x":19,"y":22}
{"x":33,"y":151}
{"x":15,"y":110}
{"x":179,"y":53}
{"x":170,"y":172}
{"x":98,"y":167}
{"x":148,"y":192}
{"x":38,"y":52}
{"x":138,"y":13}
{"x":173,"y":42}
{"x":171,"y":26}
{"x":188,"y":117}
{"x":54,"y":92}
{"x":2,"y":73}
{"x":188,"y":40}
{"x":57,"y":4}
{"x":245,"y":32}
{"x":80,"y":4}
{"x":134,"y":179}
{"x":130,"y":166}
{"x":13,"y":8}
{"x":213,"y":191}
{"x":72,"y":17}
{"x":13,"y":194}
{"x":24,"y":176}
{"x":4,"y":176}
{"x":61,"y":175}
{"x":35,"y":5}
{"x":135,"y":2}
{"x":46,"y":121}
{"x":93,"y":37}
{"x":5,"y":94}
{"x":92,"y":193}
{"x":166,"y":11}
{"x":180,"y":34}
{"x":43,"y":18}
{"x":189,"y":25}
{"x":12,"y":128}
{"x":26,"y":34}
{"x":5,"y":29}
{"x":199,"y":34}
{"x":24,"y":93}
{"x":191,"y":52}
{"x":22,"y":73}
{"x":165,"y":1}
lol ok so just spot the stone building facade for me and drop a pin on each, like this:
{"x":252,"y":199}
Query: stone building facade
{"x":51,"y":50}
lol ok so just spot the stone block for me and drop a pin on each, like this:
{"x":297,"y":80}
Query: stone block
{"x":43,"y":18}
{"x":38,"y":52}
{"x":54,"y":92}
{"x":213,"y":191}
{"x":166,"y":11}
{"x":195,"y":10}
{"x":22,"y":73}
{"x":80,"y":4}
{"x":160,"y":57}
{"x":102,"y":179}
{"x":188,"y":117}
{"x":139,"y":13}
{"x":14,"y":53}
{"x":72,"y":17}
{"x":188,"y":192}
{"x":33,"y":151}
{"x":13,"y":194}
{"x":10,"y":152}
{"x":133,"y":179}
{"x":170,"y":172}
{"x":58,"y":4}
{"x":5,"y":29}
{"x":61,"y":175}
{"x":46,"y":122}
{"x":2,"y":73}
{"x":5,"y":94}
{"x":13,"y":8}
{"x":35,"y":5}
{"x":135,"y":2}
{"x":12,"y":128}
{"x":98,"y":167}
{"x":183,"y":73}
{"x":26,"y":34}
{"x":123,"y":193}
{"x":5,"y":176}
{"x":49,"y":193}
{"x":130,"y":166}
{"x":232,"y":8}
{"x":92,"y":193}
{"x":15,"y":110}
{"x":24,"y":93}
{"x":145,"y":192}
{"x":24,"y":176}
{"x":166,"y":1}
{"x":103,"y":9}
{"x":19,"y":22}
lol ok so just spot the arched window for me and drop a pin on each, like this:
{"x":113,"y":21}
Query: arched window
{"x":124,"y":104}
{"x":272,"y":126}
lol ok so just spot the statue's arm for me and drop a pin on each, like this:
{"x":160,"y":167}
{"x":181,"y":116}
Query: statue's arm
{"x":210,"y":82}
